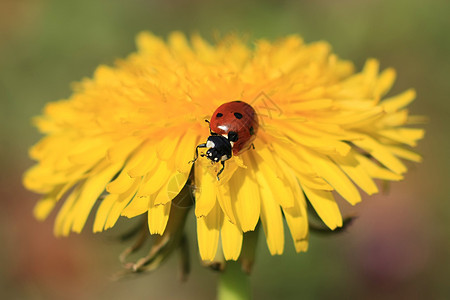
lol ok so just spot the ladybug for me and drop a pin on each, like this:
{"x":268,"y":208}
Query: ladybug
{"x":233,"y":127}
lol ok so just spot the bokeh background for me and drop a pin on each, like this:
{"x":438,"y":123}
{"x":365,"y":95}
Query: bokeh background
{"x":398,"y":248}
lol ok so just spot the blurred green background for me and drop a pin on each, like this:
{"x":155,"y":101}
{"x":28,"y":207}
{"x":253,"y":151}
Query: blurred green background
{"x":397,"y":249}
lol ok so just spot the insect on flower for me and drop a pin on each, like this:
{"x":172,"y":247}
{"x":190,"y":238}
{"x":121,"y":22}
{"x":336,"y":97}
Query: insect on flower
{"x":233,"y":127}
{"x":130,"y":132}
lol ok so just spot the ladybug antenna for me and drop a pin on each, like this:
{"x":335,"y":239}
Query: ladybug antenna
{"x":210,"y":131}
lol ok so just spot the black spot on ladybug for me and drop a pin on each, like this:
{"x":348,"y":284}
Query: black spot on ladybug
{"x":232,"y":136}
{"x":252,"y":130}
{"x":238,"y":115}
{"x":219,"y":115}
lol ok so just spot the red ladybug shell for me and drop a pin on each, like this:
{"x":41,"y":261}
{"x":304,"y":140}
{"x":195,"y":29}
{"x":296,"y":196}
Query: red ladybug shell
{"x":239,"y":117}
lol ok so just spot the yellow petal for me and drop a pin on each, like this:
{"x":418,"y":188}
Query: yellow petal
{"x":137,"y":164}
{"x":172,"y":186}
{"x":121,"y":149}
{"x":405,"y":153}
{"x":408,"y":136}
{"x":382,"y":154}
{"x":148,"y":43}
{"x":224,"y":199}
{"x":121,"y":184}
{"x":146,"y":162}
{"x":231,"y":240}
{"x":394,"y":119}
{"x":175,"y":185}
{"x":370,"y":70}
{"x":202,"y":48}
{"x":46,"y":205}
{"x":166,"y":147}
{"x":314,"y":93}
{"x":311,"y":105}
{"x":90,"y":191}
{"x":395,"y":103}
{"x":351,"y":119}
{"x":271,"y":218}
{"x":363,"y":119}
{"x":376,"y":171}
{"x":103,"y":212}
{"x":205,"y":190}
{"x":43,"y":179}
{"x":180,"y":45}
{"x":245,"y":196}
{"x":329,"y":171}
{"x":158,"y":215}
{"x":267,"y":155}
{"x":384,"y":82}
{"x":280,"y":190}
{"x":356,"y":172}
{"x":208,"y":229}
{"x":184,"y":153}
{"x":325,"y":205}
{"x":62,"y":223}
{"x":356,"y":104}
{"x":328,"y":131}
{"x":88,"y":151}
{"x":120,"y":204}
{"x":155,"y":179}
{"x":296,"y":216}
{"x":317,"y":143}
{"x":137,"y":206}
{"x":302,"y":169}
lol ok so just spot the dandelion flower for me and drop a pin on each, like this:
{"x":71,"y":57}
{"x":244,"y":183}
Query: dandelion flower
{"x":129,"y":134}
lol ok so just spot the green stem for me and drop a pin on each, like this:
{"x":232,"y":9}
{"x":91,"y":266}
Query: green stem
{"x":233,"y":283}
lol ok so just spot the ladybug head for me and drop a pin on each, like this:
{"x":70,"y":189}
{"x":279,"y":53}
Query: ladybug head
{"x":220,"y":148}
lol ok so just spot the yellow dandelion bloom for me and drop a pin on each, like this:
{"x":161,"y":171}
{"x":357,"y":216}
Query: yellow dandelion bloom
{"x":129,"y":134}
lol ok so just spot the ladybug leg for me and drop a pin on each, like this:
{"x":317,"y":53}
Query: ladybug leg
{"x":252,"y":146}
{"x":221,"y":170}
{"x":196,"y":152}
{"x":210,"y":131}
